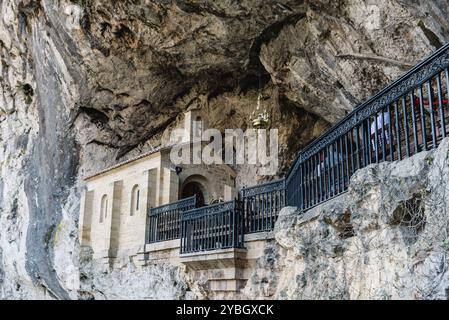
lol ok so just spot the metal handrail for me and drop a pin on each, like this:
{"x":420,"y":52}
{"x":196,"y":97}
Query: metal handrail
{"x":414,"y":77}
{"x":180,"y":204}
{"x":164,"y":222}
{"x":402,"y":101}
{"x":264,"y":187}
{"x":210,"y":209}
{"x":218,"y":226}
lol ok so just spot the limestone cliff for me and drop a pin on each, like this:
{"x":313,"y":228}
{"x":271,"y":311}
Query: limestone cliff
{"x":84,"y":84}
{"x":386,"y":238}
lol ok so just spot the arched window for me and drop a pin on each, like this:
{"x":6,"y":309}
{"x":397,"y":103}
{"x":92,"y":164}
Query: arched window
{"x":135,"y":199}
{"x":104,"y":208}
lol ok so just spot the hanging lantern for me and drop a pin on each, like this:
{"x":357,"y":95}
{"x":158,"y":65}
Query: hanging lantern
{"x":260,"y":119}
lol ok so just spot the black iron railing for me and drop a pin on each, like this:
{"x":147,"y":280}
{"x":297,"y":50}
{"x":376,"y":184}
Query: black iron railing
{"x":164,"y":221}
{"x":261,"y":205}
{"x":217,"y":226}
{"x":409,"y":116}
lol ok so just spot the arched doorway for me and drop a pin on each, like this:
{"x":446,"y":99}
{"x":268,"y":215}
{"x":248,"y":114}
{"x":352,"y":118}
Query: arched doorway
{"x":191,"y":189}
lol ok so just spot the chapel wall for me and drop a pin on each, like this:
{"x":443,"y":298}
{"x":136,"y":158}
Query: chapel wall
{"x":121,"y":230}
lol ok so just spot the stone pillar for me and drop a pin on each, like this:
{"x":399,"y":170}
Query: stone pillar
{"x":114,"y":214}
{"x":85,"y":220}
{"x":151,"y":189}
{"x":229,"y":193}
{"x":148,"y":201}
{"x":158,"y":186}
{"x":170,"y":186}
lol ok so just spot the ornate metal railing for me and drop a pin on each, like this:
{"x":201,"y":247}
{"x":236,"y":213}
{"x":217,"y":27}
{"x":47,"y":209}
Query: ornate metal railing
{"x":261,"y":205}
{"x":408,"y":116}
{"x":164,"y":221}
{"x":217,"y":226}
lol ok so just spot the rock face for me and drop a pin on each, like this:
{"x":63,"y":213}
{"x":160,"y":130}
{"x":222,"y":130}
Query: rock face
{"x":386,"y":238}
{"x":86,"y":83}
{"x":161,"y":281}
{"x":345,"y":50}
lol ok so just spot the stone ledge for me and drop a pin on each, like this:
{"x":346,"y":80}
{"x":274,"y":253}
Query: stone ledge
{"x":164,"y":245}
{"x":215,"y":259}
{"x":211,"y":253}
{"x":266,"y":235}
{"x":227,"y":285}
{"x":230,"y":273}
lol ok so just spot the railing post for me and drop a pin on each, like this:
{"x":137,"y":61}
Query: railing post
{"x":423,"y":119}
{"x":440,"y":107}
{"x":233,"y":225}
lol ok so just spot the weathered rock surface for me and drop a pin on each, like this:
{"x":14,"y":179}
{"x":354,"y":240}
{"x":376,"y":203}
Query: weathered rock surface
{"x":343,"y":51}
{"x":162,"y":281}
{"x":86,"y":83}
{"x":386,"y":238}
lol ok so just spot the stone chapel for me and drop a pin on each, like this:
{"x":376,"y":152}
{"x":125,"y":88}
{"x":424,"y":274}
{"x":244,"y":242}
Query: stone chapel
{"x":116,"y":200}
